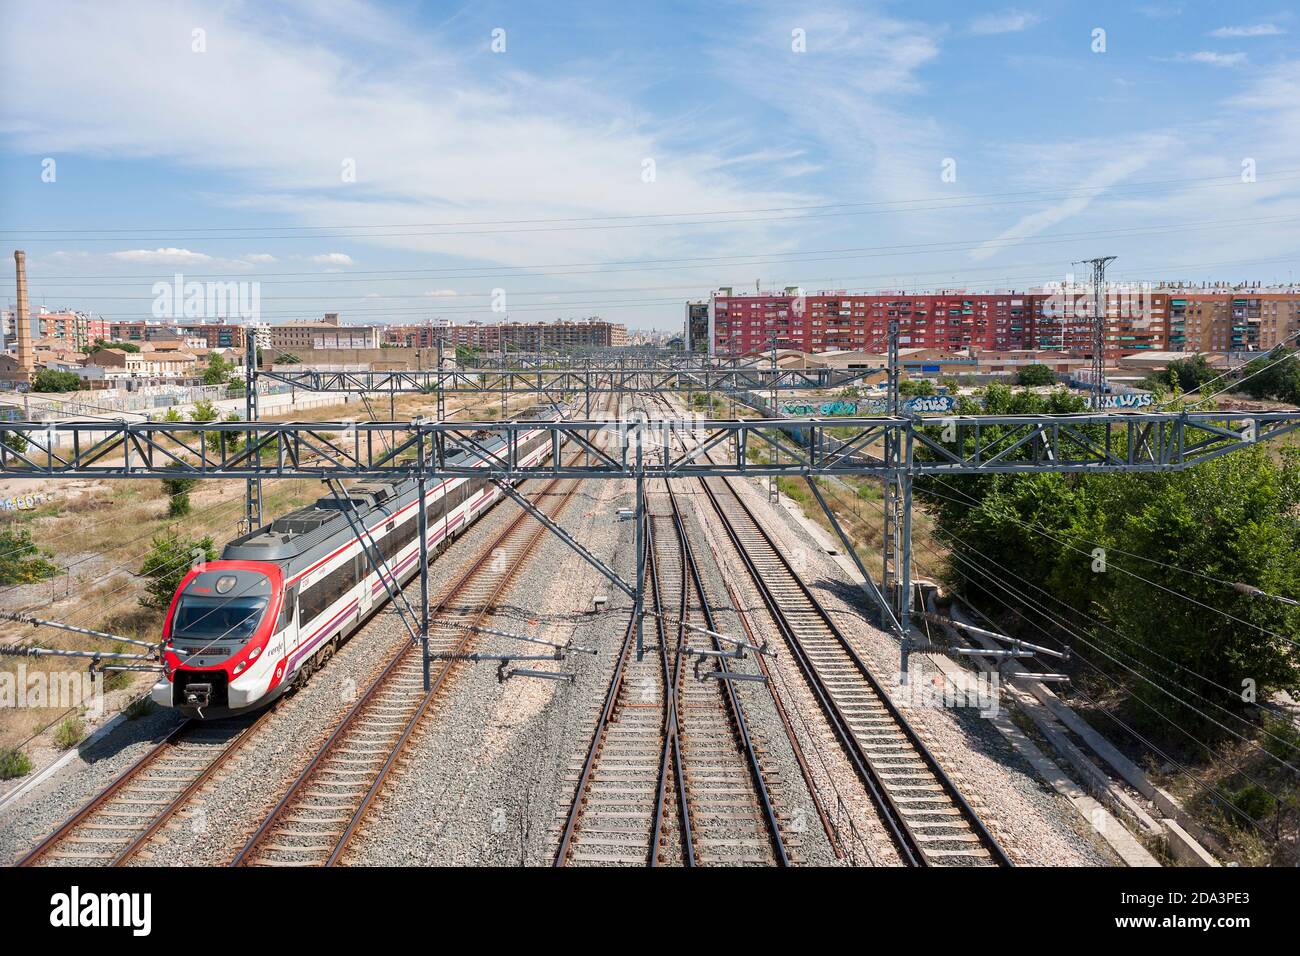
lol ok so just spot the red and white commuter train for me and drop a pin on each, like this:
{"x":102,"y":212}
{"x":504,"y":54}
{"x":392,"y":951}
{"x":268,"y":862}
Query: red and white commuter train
{"x":242,"y":630}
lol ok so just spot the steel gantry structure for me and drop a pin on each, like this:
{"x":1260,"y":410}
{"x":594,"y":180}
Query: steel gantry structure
{"x":568,"y":380}
{"x":894,"y":448}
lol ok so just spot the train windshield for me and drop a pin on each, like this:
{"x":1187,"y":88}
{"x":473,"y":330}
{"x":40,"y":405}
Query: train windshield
{"x":215,"y":618}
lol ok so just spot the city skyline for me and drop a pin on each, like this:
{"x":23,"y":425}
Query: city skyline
{"x":828,"y":147}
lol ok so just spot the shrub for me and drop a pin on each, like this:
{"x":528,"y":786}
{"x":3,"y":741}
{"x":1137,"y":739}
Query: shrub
{"x":1035,"y":374}
{"x":168,"y":561}
{"x":140,"y":707}
{"x":20,"y":561}
{"x":48,"y":380}
{"x":13,"y":763}
{"x":178,"y":494}
{"x":70,"y":732}
{"x":1254,"y":801}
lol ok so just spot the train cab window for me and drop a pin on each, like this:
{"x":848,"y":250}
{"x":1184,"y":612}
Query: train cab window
{"x":212,"y":618}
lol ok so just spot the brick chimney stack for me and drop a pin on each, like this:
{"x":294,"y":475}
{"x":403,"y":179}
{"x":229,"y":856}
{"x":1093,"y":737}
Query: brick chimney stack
{"x":22,"y":316}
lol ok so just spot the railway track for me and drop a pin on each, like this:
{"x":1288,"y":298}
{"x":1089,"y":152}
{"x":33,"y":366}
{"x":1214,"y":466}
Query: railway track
{"x":118,"y":823}
{"x":319,"y":814}
{"x":731,"y":805}
{"x":623,"y":797}
{"x":672,"y":774}
{"x":930,"y":821}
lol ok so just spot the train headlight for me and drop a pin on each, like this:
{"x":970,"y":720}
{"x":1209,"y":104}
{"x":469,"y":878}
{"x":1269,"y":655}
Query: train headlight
{"x":252,"y":655}
{"x":239,"y":667}
{"x":225,"y":583}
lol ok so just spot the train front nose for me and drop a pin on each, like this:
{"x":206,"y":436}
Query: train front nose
{"x":218,"y":615}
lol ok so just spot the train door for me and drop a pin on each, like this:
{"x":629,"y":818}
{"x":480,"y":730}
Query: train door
{"x":364,"y":571}
{"x":288,"y":623}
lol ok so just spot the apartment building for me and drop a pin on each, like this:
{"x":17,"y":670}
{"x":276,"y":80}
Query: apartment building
{"x":328,"y":333}
{"x":557,"y":336}
{"x":744,"y":323}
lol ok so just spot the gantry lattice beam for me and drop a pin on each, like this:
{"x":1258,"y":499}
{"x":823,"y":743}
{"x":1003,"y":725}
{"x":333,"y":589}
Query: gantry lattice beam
{"x":1100,"y":442}
{"x":567,"y":381}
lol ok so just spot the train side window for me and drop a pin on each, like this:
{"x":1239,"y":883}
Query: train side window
{"x":289,"y":609}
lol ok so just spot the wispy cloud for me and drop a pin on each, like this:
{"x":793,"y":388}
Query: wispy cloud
{"x":1160,"y":11}
{"x":1209,"y":58}
{"x":1011,"y":21}
{"x":161,"y":257}
{"x":1256,"y":30}
{"x":332,"y":259}
{"x":1097,"y":166}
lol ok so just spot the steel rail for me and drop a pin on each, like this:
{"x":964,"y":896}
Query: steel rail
{"x":740,"y":724}
{"x":672,"y":750}
{"x":895,"y":820}
{"x":122,"y":781}
{"x":597,"y":738}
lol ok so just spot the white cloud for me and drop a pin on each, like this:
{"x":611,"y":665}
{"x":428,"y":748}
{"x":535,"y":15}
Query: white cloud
{"x":441,"y":293}
{"x":1256,"y":30}
{"x":1210,"y":58}
{"x":448,"y":134}
{"x":1012,"y":21}
{"x":259,"y":258}
{"x":333,"y":259}
{"x":159,"y":257}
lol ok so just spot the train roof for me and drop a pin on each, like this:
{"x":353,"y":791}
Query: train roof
{"x":303,"y":534}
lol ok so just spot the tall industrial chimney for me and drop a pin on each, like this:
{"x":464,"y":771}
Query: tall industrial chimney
{"x":22,"y":316}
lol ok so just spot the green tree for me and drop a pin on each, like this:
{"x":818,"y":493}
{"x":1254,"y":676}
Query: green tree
{"x":915,"y":388}
{"x":1145,"y":556}
{"x":169,"y":559}
{"x":204,"y":411}
{"x":100,"y":345}
{"x":1273,"y":376}
{"x":178,"y":494}
{"x":21,"y":562}
{"x":15,"y":441}
{"x":1035,"y":374}
{"x":1187,"y":375}
{"x":49,"y":380}
{"x":218,"y":371}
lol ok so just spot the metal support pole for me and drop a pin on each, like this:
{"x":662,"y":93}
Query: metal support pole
{"x":638,"y":602}
{"x":253,"y":486}
{"x":442,"y":395}
{"x":424,"y":566}
{"x":773,"y":495}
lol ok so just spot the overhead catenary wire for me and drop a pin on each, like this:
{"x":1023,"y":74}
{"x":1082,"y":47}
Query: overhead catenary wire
{"x":1215,"y":794}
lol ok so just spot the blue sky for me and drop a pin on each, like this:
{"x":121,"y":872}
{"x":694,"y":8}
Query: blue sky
{"x":792,"y":144}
